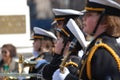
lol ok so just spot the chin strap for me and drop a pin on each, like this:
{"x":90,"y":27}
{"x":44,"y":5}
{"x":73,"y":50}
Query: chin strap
{"x":99,"y":20}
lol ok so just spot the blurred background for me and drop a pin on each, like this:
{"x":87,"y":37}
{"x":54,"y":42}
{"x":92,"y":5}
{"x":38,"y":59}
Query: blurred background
{"x":18,"y":17}
{"x":41,"y":10}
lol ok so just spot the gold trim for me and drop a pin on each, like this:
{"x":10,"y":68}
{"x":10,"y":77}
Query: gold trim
{"x":82,"y":68}
{"x":94,"y":9}
{"x":65,"y":32}
{"x":71,"y":63}
{"x":57,"y":19}
{"x":112,"y":52}
{"x":37,"y":37}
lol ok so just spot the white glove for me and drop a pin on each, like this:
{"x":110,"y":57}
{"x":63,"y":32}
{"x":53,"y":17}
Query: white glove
{"x":57,"y":75}
{"x":39,"y":62}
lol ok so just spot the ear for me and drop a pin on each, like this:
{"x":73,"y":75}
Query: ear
{"x":103,"y":22}
{"x":104,"y":26}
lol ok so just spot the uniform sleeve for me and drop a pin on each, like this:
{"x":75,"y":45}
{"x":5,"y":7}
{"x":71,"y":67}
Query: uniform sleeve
{"x":50,"y":68}
{"x":71,"y":77}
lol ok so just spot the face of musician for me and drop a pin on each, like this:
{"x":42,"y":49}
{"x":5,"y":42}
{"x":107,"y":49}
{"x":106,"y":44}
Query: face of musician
{"x":90,"y":20}
{"x":59,"y":45}
{"x":60,"y":24}
{"x":37,"y":44}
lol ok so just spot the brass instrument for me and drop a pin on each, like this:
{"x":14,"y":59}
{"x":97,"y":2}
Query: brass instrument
{"x":24,"y":63}
{"x":20,"y":64}
{"x":72,"y":45}
{"x":16,"y":76}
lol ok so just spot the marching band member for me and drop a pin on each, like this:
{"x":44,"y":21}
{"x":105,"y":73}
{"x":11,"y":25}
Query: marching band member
{"x":73,"y":63}
{"x":41,"y":39}
{"x":43,"y":43}
{"x":61,"y":45}
{"x":102,"y":58}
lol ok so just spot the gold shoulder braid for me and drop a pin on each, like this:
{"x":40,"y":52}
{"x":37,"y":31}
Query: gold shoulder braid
{"x":98,"y":44}
{"x":83,"y":62}
{"x":71,"y":63}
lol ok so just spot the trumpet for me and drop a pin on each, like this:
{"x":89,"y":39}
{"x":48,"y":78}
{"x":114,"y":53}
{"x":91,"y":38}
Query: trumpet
{"x":72,"y":45}
{"x":24,"y":63}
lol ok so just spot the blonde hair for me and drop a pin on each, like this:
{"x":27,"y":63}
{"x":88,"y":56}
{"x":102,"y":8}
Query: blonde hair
{"x":113,"y":26}
{"x":79,"y":22}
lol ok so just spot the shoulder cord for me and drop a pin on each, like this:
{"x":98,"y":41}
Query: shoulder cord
{"x":83,"y":62}
{"x":41,"y":73}
{"x":71,"y":63}
{"x":98,"y":44}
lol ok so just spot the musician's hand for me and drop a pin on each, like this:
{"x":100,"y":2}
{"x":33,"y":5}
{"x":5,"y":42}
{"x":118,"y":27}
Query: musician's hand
{"x":39,"y":62}
{"x":57,"y":75}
